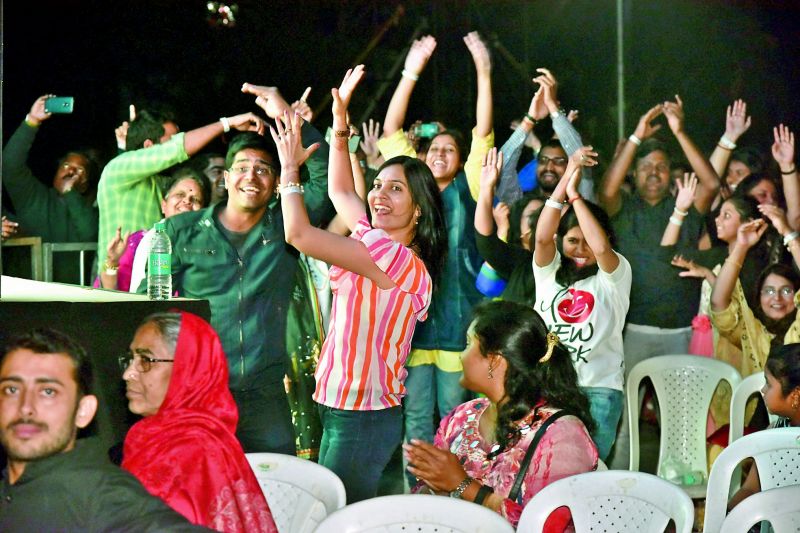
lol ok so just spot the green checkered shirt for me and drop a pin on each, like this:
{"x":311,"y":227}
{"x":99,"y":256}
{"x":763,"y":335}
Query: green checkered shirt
{"x":128,"y":194}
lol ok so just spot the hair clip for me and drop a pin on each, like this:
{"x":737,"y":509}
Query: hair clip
{"x":552,"y":340}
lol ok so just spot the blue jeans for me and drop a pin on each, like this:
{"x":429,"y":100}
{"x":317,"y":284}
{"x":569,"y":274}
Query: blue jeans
{"x":357,"y":446}
{"x":265,"y":421}
{"x":605,"y":406}
{"x":426,"y":384}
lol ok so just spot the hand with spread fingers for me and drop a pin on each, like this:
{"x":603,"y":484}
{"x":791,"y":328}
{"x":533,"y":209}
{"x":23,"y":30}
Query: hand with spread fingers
{"x":117,"y":247}
{"x":419,"y":54}
{"x":370,"y":133}
{"x":645,"y":128}
{"x":686,"y":191}
{"x":737,"y":121}
{"x":287,"y":137}
{"x":438,"y":469}
{"x":783,"y":147}
{"x":692,"y":269}
{"x":750,"y":232}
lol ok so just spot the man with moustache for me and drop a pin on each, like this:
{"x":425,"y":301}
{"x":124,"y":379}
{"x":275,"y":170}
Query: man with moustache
{"x":662,"y":304}
{"x":54,"y":482}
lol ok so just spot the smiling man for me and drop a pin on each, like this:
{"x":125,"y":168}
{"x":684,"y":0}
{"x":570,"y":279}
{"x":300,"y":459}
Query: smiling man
{"x":45,"y":382}
{"x":234,"y":255}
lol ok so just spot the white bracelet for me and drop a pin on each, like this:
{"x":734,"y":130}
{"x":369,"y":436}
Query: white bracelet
{"x":676,"y":221}
{"x":226,"y":126}
{"x":790,"y":237}
{"x":727,"y":143}
{"x":635,"y":140}
{"x":410,"y":75}
{"x":291,"y":189}
{"x":681,"y":213}
{"x":554,"y":204}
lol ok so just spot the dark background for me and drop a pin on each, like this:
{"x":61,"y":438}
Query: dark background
{"x":108,"y":54}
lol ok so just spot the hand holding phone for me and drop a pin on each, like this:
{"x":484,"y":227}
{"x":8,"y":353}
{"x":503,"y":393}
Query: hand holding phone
{"x":59,"y":104}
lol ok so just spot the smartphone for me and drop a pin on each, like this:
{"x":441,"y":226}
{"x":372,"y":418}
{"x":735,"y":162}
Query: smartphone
{"x":59,"y":104}
{"x":429,"y":130}
{"x":352,"y":142}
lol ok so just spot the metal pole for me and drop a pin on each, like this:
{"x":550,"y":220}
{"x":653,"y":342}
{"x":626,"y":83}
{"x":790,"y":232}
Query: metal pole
{"x":620,"y":73}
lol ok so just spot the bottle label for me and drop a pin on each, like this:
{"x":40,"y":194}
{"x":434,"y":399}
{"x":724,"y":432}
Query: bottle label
{"x":160,"y":264}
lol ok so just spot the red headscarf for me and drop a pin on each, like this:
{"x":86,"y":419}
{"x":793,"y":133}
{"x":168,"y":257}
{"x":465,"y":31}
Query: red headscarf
{"x":187,"y":453}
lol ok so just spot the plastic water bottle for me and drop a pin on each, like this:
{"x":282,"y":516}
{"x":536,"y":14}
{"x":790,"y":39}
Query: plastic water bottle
{"x":159,"y":265}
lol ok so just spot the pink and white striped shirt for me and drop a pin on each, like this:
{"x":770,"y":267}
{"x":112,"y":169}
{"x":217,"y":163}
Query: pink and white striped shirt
{"x":362,"y":364}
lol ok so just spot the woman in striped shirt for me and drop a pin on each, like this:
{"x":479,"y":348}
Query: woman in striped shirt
{"x":382,"y":279}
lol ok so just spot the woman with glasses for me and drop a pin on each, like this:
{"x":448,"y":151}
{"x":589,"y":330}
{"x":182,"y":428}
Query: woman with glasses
{"x":773,"y":320}
{"x":126,"y":256}
{"x":184,"y":450}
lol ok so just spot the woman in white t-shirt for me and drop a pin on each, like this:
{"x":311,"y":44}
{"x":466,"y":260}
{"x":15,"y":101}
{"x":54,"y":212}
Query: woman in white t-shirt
{"x":582,"y":292}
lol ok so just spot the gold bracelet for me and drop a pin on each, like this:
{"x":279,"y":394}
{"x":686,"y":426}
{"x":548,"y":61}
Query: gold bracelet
{"x":738,"y":264}
{"x":342,"y":133}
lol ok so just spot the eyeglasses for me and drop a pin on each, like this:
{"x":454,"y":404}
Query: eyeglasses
{"x":557,"y":161}
{"x":141,"y":363}
{"x":261,"y":172}
{"x":80,"y":171}
{"x":785,"y":291}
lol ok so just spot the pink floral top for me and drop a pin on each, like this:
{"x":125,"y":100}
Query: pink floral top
{"x":565,"y":449}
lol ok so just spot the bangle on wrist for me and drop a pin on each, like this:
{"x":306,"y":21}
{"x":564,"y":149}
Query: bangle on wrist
{"x":726,"y":143}
{"x":554,"y":204}
{"x":789,"y":237}
{"x":734,"y":262}
{"x":790,"y":171}
{"x":529,"y":118}
{"x":459,"y":490}
{"x":110,"y":268}
{"x":635,"y":140}
{"x":574,"y":199}
{"x":31,"y":122}
{"x":681,"y":213}
{"x":410,"y":75}
{"x":290,"y":188}
{"x":342,"y":133}
{"x":226,"y":126}
{"x":676,"y":221}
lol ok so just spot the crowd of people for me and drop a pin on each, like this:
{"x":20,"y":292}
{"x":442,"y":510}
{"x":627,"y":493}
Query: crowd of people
{"x":346,"y":317}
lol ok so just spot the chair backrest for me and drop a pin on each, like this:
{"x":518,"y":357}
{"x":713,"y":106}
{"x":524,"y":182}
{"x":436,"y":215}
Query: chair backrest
{"x":612,"y":500}
{"x":777,"y":456}
{"x":84,"y":265}
{"x":780,"y":507}
{"x":684,"y":386}
{"x":300,"y":493}
{"x":415,"y":512}
{"x":750,"y":385}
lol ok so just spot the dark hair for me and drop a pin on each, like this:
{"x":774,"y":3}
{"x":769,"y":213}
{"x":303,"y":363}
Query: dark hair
{"x":458,"y":137}
{"x":554,"y":143}
{"x":188,"y":172}
{"x":147,"y":125}
{"x":777,"y":327}
{"x":749,"y":183}
{"x":749,"y":156}
{"x":519,"y":334}
{"x":247,"y":140}
{"x":92,"y":167}
{"x":784,"y":363}
{"x":430,"y":235}
{"x":50,"y":341}
{"x":515,"y":215}
{"x":567,"y":274}
{"x":200,"y":161}
{"x":746,"y":206}
{"x":649,"y":146}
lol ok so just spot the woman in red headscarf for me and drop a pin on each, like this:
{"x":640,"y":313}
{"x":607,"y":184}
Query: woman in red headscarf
{"x":184,"y":450}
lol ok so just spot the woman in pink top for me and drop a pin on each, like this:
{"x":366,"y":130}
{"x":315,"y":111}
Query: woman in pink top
{"x":527,"y":376}
{"x":381,"y":279}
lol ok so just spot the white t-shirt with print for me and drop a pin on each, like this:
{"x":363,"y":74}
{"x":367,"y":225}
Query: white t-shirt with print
{"x":588,"y":317}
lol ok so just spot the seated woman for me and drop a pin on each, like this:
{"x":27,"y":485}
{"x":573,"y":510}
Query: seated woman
{"x":781,"y":393}
{"x":527,"y":376}
{"x":184,"y":450}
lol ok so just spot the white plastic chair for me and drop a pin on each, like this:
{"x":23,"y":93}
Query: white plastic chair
{"x":777,"y":456}
{"x":684,"y":385}
{"x":419,"y":513}
{"x":300,"y":493}
{"x":780,"y":507}
{"x":741,"y":394}
{"x":613,"y":500}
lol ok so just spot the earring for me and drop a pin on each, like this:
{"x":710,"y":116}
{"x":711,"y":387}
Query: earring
{"x":491,"y":375}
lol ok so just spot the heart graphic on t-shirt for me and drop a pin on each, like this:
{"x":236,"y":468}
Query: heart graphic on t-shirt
{"x":576,"y":306}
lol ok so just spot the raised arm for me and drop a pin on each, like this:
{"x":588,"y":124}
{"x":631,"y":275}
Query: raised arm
{"x":596,"y":237}
{"x":791,"y":238}
{"x":195,"y":140}
{"x":736,"y":123}
{"x":508,"y":189}
{"x":708,"y":180}
{"x":783,"y":152}
{"x":18,"y":179}
{"x":492,"y":164}
{"x":545,"y":249}
{"x":482,"y":135}
{"x":610,"y":196}
{"x":418,"y":56}
{"x":748,"y":235}
{"x":683,"y":201}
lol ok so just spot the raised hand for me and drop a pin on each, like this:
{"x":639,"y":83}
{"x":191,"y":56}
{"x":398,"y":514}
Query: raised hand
{"x":480,"y":53}
{"x":750,"y":232}
{"x":501,"y":213}
{"x":342,"y":95}
{"x":370,"y":133}
{"x":538,"y":108}
{"x":783,"y":147}
{"x":490,"y":169}
{"x":419,"y":54}
{"x":582,"y":157}
{"x":267,"y":98}
{"x":736,"y":120}
{"x":572,"y":116}
{"x":247,"y":122}
{"x":776,"y":216}
{"x":549,"y":86}
{"x":645,"y":128}
{"x":8,"y":228}
{"x":37,"y":114}
{"x":286,"y":135}
{"x":686,"y":190}
{"x":116,"y":247}
{"x":691,"y":269}
{"x":674,"y":113}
